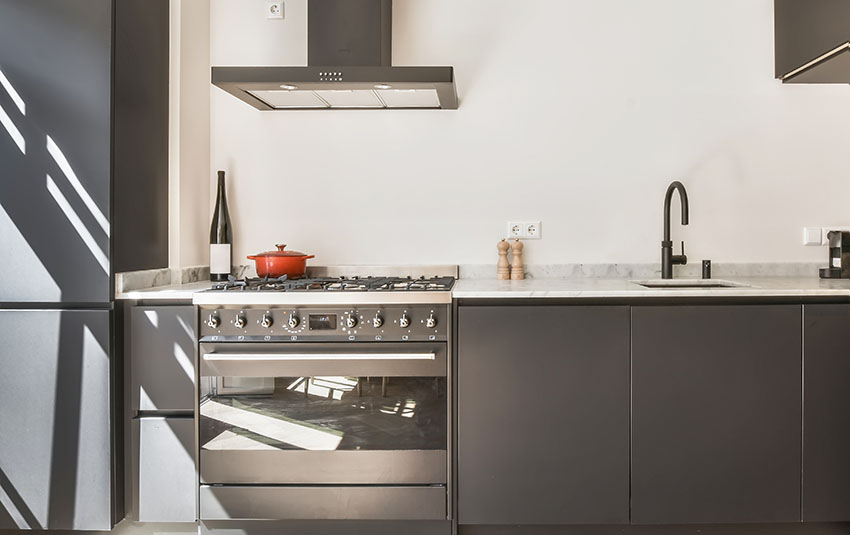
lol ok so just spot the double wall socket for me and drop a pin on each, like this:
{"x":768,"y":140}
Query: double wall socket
{"x":525,"y":230}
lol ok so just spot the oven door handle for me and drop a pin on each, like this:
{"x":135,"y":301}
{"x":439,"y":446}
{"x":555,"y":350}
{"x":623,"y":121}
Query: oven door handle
{"x":290,"y":357}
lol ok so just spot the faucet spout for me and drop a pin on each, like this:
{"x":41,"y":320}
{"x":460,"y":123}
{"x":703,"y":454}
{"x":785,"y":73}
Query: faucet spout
{"x":667,"y":256}
{"x":668,"y":198}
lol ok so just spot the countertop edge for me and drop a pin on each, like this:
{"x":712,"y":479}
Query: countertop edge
{"x":483,"y":289}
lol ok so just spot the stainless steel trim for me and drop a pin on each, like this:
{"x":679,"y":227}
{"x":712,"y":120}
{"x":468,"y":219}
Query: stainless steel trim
{"x":320,"y":298}
{"x":835,"y":51}
{"x":238,"y":359}
{"x":325,"y":102}
{"x":329,"y":503}
{"x":289,"y":357}
{"x":364,"y":467}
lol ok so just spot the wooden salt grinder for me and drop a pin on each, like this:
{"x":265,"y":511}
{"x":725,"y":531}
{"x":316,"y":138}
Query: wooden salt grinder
{"x":517,"y":270}
{"x":503,"y":268}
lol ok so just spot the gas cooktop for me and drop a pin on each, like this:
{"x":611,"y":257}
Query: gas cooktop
{"x":337,"y":284}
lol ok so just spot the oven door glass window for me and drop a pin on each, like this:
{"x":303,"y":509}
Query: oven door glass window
{"x":324,"y":413}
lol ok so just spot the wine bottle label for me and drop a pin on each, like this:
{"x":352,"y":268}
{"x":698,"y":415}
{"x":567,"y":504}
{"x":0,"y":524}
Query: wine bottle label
{"x":220,"y":258}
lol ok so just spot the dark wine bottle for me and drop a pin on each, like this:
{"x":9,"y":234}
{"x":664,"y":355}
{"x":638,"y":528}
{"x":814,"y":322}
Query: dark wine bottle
{"x":221,"y":236}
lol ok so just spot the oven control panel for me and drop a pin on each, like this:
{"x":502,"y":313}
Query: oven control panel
{"x":373,"y":323}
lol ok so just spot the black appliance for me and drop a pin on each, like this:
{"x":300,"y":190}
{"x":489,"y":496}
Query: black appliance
{"x":839,"y":256}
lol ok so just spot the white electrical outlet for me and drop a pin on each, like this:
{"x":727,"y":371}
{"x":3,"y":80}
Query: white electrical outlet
{"x":274,"y":10}
{"x":525,"y":230}
{"x":515,"y":229}
{"x":533,"y":230}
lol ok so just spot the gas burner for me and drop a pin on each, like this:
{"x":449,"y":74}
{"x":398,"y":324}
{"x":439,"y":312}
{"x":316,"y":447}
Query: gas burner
{"x":341,"y":284}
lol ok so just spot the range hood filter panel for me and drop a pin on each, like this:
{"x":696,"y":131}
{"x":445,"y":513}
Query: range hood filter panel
{"x":282,"y":99}
{"x":409,"y":98}
{"x":350,"y":98}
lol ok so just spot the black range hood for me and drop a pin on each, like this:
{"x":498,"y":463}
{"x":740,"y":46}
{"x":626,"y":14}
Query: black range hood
{"x":349,"y":55}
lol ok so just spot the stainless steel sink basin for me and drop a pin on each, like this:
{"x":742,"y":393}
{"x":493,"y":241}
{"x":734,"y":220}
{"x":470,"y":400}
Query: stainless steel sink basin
{"x":685,"y":284}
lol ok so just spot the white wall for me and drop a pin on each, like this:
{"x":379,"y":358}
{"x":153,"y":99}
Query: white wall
{"x":189,"y":133}
{"x":575,"y":112}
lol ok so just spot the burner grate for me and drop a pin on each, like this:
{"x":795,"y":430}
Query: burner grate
{"x":340,"y":284}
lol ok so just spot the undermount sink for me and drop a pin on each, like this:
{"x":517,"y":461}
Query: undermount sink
{"x":680,"y":284}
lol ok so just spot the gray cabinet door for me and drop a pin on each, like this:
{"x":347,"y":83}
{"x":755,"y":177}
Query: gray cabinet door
{"x":165,"y":486}
{"x":161,"y":343}
{"x":55,"y":149}
{"x":54,"y":420}
{"x":826,"y":417}
{"x":543,"y":415}
{"x":806,"y":29}
{"x":716,"y":411}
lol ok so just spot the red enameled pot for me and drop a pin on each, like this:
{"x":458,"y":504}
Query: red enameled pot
{"x":279,"y":263}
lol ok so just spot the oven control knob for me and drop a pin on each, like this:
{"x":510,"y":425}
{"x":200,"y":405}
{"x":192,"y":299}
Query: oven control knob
{"x":266,"y":321}
{"x":404,"y":321}
{"x":377,"y":321}
{"x":351,"y":321}
{"x":293,"y":321}
{"x":431,"y":321}
{"x":213,"y":321}
{"x":239,"y":322}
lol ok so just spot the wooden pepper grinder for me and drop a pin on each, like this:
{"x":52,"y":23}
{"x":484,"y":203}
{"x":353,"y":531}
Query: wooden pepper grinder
{"x":503,"y":268}
{"x":517,"y":270}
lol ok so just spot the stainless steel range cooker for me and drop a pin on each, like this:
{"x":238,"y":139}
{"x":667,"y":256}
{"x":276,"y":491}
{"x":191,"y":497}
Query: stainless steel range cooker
{"x":325,"y":399}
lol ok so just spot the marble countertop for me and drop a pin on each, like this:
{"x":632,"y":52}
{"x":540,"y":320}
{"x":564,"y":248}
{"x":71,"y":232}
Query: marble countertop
{"x":172,"y":292}
{"x":576,"y":288}
{"x":622,"y":288}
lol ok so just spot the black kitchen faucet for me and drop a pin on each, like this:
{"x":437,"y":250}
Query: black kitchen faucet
{"x":667,"y":256}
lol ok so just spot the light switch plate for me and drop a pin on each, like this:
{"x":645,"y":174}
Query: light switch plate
{"x":812,"y":236}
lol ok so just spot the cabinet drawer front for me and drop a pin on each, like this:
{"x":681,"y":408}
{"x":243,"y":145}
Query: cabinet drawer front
{"x":161,"y":348}
{"x":164,"y":487}
{"x":323,"y":503}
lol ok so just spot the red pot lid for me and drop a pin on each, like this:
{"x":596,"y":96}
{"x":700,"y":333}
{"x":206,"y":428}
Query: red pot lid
{"x":281,"y":253}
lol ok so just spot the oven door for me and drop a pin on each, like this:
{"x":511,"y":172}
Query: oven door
{"x":323,"y":414}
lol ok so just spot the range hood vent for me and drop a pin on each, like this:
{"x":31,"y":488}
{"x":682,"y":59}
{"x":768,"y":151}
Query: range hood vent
{"x":349,"y":53}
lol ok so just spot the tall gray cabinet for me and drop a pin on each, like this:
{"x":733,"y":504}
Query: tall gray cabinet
{"x":83,"y":195}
